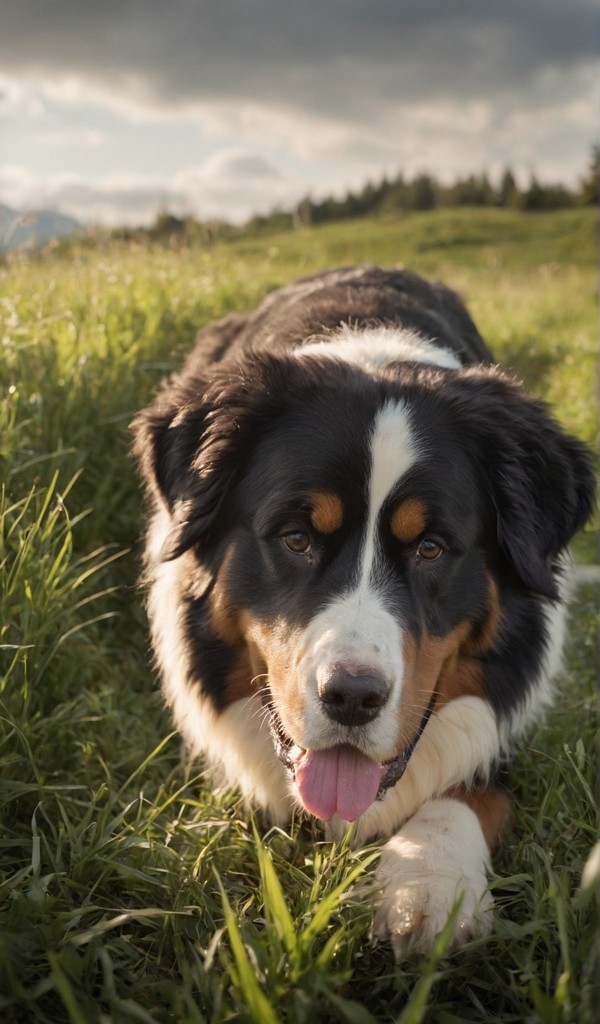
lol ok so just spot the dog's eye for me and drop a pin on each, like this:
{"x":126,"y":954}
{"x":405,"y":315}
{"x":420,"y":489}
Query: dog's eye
{"x":429,"y":549}
{"x":297,"y":542}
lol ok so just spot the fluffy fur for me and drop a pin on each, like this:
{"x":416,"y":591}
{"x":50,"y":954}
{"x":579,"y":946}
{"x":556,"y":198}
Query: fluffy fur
{"x":354,"y":570}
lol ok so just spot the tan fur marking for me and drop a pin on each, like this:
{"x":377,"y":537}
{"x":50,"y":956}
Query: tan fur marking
{"x":226,"y":625}
{"x":327,"y":512}
{"x":449,"y":663}
{"x":271,"y":645}
{"x":461,"y":674}
{"x":484,"y":640}
{"x":420,"y":677}
{"x":491,"y":806}
{"x":436,"y":663}
{"x":409,"y":520}
{"x":223,"y":617}
{"x":240,"y":682}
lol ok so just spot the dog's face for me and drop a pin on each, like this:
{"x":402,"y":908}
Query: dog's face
{"x":348,"y":545}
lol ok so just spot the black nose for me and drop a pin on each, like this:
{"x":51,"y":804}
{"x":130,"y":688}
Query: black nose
{"x":353,"y":696}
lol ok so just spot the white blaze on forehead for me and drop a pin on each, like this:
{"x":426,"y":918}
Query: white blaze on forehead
{"x":393,"y":449}
{"x":357,"y":629}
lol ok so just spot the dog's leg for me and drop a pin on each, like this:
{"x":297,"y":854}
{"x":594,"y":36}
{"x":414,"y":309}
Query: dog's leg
{"x":441,"y":855}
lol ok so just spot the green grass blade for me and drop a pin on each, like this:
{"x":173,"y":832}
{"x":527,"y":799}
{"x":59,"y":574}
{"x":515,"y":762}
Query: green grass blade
{"x":329,"y":904}
{"x":416,"y":1008}
{"x":275,"y":903}
{"x":258,"y":1006}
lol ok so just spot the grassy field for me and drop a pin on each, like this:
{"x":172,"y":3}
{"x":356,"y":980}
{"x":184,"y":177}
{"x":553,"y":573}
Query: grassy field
{"x":128,"y":890}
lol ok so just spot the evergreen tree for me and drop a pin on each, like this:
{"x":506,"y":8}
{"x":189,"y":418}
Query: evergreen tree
{"x":533,"y":197}
{"x":589,"y":193}
{"x":508,"y":193}
{"x":424,"y":192}
{"x":304,"y":212}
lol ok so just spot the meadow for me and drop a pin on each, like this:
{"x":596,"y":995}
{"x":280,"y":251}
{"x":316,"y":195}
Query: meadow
{"x":129,"y":891}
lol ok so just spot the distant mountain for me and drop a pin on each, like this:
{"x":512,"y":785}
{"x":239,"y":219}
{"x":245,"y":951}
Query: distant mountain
{"x":20,"y":230}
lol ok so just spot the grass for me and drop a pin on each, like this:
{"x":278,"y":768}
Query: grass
{"x":128,"y":890}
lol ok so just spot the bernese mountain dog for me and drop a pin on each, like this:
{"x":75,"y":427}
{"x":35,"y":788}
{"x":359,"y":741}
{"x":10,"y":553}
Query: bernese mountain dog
{"x":356,"y":573}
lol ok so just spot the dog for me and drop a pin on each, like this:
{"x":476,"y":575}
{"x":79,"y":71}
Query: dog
{"x":356,"y":573}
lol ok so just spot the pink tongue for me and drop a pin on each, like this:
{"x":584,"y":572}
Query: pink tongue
{"x":339,"y":780}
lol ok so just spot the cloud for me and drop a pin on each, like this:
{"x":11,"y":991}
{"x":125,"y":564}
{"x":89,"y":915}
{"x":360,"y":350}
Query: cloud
{"x":231,"y":165}
{"x":230,"y":185}
{"x":17,"y":99}
{"x":230,"y":107}
{"x":119,"y":197}
{"x":328,"y":59}
{"x":233,"y":185}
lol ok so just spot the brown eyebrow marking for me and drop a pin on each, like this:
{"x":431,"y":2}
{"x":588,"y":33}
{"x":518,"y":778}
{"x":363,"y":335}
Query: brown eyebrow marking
{"x":409,"y":520}
{"x":327,"y":512}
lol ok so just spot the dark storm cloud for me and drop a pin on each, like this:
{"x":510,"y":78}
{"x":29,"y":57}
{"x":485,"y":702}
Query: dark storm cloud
{"x":323,"y":56}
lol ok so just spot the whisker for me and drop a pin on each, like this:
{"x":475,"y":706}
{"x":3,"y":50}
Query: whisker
{"x":261,"y":675}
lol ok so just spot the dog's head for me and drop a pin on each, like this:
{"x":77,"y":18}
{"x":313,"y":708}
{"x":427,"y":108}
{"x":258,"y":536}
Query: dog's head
{"x":352,"y":545}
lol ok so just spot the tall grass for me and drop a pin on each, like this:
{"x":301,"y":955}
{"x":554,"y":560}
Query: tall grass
{"x":129,"y":891}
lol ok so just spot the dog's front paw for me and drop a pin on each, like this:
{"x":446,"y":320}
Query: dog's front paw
{"x":437,"y":858}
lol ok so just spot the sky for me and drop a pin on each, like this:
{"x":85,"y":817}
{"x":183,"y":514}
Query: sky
{"x":111,"y":110}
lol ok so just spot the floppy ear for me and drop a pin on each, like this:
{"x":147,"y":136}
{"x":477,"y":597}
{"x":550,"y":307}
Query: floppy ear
{"x":192,"y":442}
{"x":166,"y":437}
{"x":538,"y":477}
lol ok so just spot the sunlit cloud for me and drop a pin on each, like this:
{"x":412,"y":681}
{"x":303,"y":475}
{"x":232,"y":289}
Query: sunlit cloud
{"x":223,"y":110}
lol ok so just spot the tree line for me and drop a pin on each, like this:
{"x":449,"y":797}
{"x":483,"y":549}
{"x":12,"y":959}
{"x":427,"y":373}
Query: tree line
{"x":422,"y":192}
{"x":388,"y":197}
